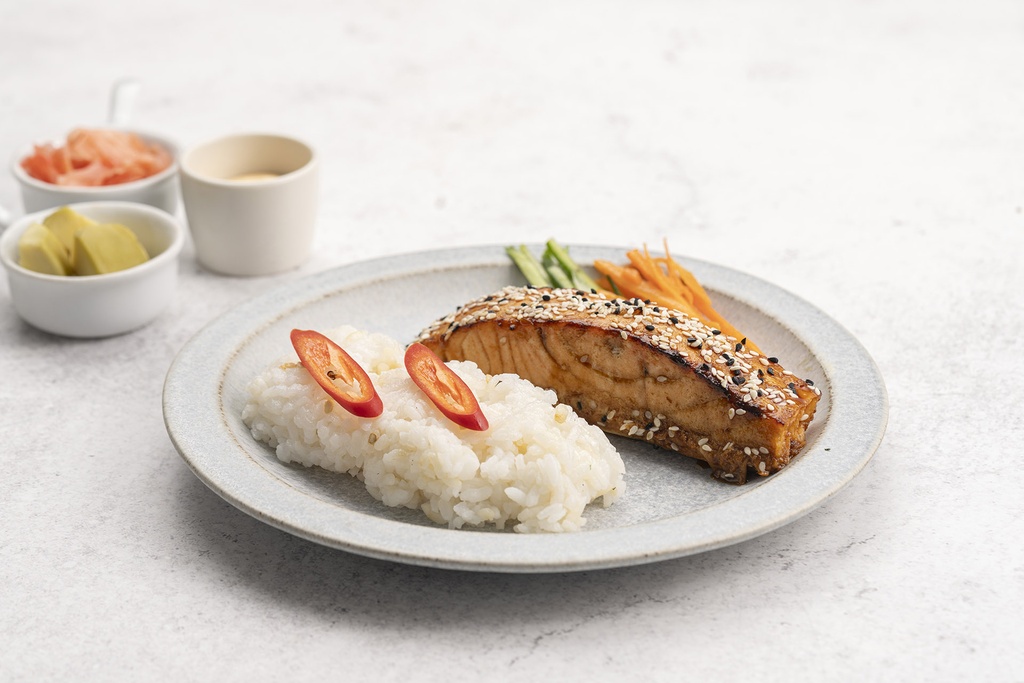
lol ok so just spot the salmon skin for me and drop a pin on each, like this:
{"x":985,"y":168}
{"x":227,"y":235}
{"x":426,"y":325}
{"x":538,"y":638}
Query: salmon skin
{"x":641,"y":371}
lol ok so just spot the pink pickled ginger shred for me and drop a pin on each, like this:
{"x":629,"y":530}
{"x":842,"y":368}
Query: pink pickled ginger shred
{"x":95,"y":157}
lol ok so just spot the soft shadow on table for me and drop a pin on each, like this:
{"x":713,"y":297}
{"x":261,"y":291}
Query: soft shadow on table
{"x":333,"y":585}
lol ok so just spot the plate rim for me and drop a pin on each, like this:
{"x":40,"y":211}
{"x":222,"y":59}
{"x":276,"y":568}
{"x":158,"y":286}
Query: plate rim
{"x":848,"y":369}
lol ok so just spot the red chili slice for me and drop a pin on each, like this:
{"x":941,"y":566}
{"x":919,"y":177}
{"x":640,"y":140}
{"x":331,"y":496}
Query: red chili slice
{"x":330,"y":366}
{"x":444,"y":388}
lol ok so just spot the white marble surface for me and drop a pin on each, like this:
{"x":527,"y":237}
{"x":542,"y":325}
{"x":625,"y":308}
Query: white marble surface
{"x":865,"y":155}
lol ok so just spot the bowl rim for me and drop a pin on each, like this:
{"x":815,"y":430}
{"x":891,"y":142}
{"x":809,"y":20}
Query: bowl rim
{"x":306,"y":168}
{"x":14,"y":231}
{"x":99,"y":190}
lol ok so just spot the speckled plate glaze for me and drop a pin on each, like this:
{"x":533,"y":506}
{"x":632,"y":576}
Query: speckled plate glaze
{"x":672,"y":507}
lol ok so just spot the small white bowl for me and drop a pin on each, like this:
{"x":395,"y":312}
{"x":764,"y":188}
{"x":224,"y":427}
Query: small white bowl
{"x":99,"y":305}
{"x":159,"y":190}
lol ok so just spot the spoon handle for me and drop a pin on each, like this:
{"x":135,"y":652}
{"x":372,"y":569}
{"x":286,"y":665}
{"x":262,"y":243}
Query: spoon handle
{"x":122,"y":101}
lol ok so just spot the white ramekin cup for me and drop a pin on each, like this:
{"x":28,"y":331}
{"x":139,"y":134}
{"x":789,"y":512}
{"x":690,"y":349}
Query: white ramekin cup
{"x":256,"y":227}
{"x":159,"y":190}
{"x":99,"y":305}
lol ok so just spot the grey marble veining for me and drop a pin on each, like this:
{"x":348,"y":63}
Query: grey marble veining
{"x":865,"y":156}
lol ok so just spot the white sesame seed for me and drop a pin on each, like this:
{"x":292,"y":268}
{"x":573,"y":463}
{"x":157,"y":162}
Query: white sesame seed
{"x":705,"y":447}
{"x":740,"y":411}
{"x":662,"y":378}
{"x":702,"y":441}
{"x":762,"y":450}
{"x":746,"y":450}
{"x":584,"y":358}
{"x":611,"y":415}
{"x":633,"y":430}
{"x":761,"y":466}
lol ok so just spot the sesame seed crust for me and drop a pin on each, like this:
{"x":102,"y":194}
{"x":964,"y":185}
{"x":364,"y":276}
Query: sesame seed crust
{"x":741,"y":405}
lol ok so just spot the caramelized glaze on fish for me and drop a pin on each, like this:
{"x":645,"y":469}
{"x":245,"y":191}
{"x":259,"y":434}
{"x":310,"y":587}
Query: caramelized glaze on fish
{"x":640,"y":371}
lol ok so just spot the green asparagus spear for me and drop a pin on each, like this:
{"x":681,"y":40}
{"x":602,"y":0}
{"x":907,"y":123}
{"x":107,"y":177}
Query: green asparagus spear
{"x":554,"y":269}
{"x":577,"y":276}
{"x":529,"y":266}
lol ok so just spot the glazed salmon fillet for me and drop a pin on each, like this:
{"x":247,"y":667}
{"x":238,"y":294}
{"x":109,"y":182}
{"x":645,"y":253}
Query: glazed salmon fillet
{"x":641,"y":371}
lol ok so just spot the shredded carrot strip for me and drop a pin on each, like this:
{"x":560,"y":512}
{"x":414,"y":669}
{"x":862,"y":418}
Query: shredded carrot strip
{"x":632,"y":284}
{"x":665,"y":282}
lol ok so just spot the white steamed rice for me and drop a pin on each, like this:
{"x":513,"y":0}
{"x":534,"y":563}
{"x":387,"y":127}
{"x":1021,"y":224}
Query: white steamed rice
{"x":536,"y":467}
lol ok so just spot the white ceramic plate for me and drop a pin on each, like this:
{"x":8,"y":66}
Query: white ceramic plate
{"x":672,"y":507}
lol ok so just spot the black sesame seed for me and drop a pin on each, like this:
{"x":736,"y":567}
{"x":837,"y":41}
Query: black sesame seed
{"x":648,"y":426}
{"x":773,"y":359}
{"x":716,"y":332}
{"x":730,"y":361}
{"x":737,"y":371}
{"x":792,"y":386}
{"x":649,"y":328}
{"x":770,"y":371}
{"x":739,"y":346}
{"x":704,"y":367}
{"x":674,"y":320}
{"x":809,"y":382}
{"x":738,"y":379}
{"x":546,"y":297}
{"x":489,"y":298}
